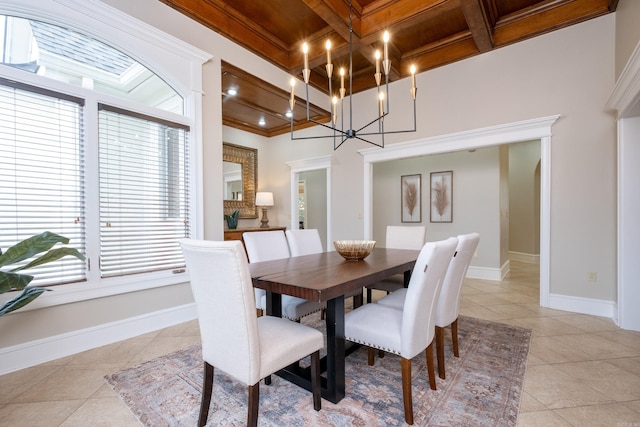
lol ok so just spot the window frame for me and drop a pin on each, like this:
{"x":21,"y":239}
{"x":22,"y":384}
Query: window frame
{"x":148,"y":46}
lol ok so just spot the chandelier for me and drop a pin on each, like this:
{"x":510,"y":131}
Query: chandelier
{"x":342,"y":133}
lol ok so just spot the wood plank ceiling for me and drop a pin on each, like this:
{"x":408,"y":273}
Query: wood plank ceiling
{"x":427,"y":33}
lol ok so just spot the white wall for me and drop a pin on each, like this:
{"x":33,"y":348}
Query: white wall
{"x":524,"y":231}
{"x":627,"y":31}
{"x":476,"y":198}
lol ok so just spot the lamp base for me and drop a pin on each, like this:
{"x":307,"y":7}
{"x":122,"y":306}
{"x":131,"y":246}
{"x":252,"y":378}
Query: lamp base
{"x":265,"y":219}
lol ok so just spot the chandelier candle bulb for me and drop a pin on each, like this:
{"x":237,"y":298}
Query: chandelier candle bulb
{"x":306,"y":72}
{"x":334,"y":101}
{"x":381,"y":96}
{"x":329,"y":65}
{"x":413,"y":82}
{"x":413,"y":76}
{"x":292,"y":101}
{"x":377,"y":75}
{"x":305,"y":51}
{"x":385,"y":39}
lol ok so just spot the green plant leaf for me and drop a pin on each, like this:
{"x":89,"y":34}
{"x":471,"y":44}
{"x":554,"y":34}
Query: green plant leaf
{"x":52,"y":255}
{"x":13,"y":282}
{"x":22,"y":299}
{"x":30,"y":247}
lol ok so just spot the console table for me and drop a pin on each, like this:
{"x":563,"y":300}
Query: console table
{"x":236,"y":234}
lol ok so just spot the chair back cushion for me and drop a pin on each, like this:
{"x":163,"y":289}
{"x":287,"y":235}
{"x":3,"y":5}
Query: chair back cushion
{"x":266,"y":245}
{"x":304,"y":242}
{"x":223,"y":292}
{"x":405,"y":237}
{"x":418,"y":314}
{"x":448,"y":306}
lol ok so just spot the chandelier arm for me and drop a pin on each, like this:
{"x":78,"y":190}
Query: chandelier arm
{"x":379,"y":118}
{"x":415,"y":115}
{"x":335,"y":147}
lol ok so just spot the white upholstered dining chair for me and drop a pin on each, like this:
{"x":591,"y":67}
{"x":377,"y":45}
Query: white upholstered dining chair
{"x":410,"y":330}
{"x":271,"y":245}
{"x":399,"y":237}
{"x":304,"y":242}
{"x":307,"y":242}
{"x":234,"y":340}
{"x":448,"y":307}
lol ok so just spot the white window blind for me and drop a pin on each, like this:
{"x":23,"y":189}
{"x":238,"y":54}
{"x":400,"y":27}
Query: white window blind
{"x":42,"y":173}
{"x":144,"y":199}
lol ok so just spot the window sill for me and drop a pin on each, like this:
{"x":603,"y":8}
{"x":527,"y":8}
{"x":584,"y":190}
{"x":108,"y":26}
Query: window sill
{"x":83,"y":291}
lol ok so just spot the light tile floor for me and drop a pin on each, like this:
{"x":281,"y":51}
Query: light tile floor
{"x":582,"y":370}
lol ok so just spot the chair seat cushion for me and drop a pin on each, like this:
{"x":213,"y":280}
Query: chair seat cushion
{"x":375,"y":326}
{"x":283,"y":342}
{"x":390,"y":284}
{"x":395,"y":299}
{"x":294,"y":308}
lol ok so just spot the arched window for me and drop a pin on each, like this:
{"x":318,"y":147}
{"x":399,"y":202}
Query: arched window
{"x":108,"y":138}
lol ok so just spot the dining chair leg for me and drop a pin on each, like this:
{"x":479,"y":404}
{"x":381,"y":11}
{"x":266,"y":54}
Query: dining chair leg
{"x":315,"y":380}
{"x":369,"y":296}
{"x":371,"y":356}
{"x":440,"y":351}
{"x":254,"y":403}
{"x":454,"y":337}
{"x":406,"y":390}
{"x":430,"y":368}
{"x":267,"y":380}
{"x":207,"y":388}
{"x":357,"y":300}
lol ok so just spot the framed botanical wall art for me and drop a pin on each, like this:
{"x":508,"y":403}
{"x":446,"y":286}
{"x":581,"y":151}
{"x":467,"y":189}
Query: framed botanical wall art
{"x":411,"y":198}
{"x":441,"y":196}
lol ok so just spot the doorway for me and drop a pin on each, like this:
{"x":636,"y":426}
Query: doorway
{"x":316,"y":175}
{"x":528,"y":130}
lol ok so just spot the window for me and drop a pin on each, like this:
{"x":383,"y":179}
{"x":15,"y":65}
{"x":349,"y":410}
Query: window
{"x":42,"y":173}
{"x":130,"y":167}
{"x":143,"y":199}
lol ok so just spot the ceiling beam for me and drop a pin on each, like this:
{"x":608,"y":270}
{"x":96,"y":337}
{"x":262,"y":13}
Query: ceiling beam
{"x":225,"y":20}
{"x":478,"y":23}
{"x":545,"y":17}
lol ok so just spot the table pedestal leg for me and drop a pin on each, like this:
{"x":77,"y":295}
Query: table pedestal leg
{"x":335,"y":350}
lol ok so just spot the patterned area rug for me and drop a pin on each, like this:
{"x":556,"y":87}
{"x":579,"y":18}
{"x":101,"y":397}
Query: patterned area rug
{"x":482,"y":387}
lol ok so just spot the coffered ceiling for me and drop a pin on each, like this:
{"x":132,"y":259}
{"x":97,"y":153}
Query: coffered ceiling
{"x":426,"y":33}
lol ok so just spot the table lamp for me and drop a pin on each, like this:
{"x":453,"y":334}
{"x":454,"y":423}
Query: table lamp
{"x":264,"y":199}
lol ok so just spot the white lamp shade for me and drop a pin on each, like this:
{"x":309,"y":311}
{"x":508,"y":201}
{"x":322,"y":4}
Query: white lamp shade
{"x":264,"y":198}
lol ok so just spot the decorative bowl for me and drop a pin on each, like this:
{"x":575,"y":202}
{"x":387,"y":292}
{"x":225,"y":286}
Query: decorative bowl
{"x":354,"y":250}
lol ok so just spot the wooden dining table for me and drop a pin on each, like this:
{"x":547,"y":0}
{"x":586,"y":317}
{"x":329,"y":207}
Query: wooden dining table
{"x":327,"y":277}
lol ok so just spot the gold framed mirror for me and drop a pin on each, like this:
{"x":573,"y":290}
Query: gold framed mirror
{"x":245,"y":201}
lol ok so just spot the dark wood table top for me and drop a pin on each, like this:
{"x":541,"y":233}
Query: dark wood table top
{"x":324,"y":276}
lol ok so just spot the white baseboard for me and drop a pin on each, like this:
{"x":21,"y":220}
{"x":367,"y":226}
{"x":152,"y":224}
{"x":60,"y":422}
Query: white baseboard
{"x":524,"y":257}
{"x":581,"y":305}
{"x":486,"y":273}
{"x":44,"y":350}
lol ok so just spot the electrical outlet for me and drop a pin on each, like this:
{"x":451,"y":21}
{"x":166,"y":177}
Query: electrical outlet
{"x":592,"y":276}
